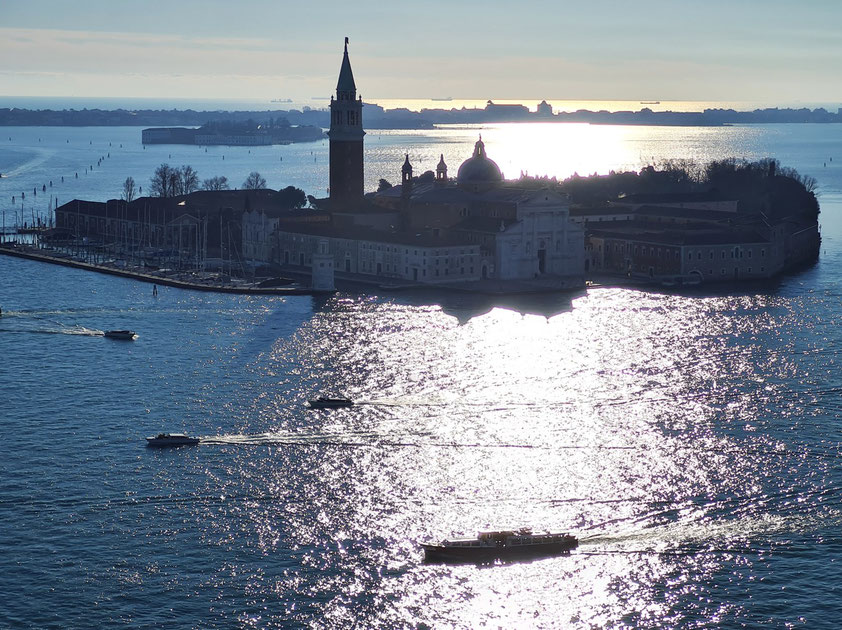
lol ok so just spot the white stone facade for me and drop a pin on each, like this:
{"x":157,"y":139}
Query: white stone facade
{"x":542,"y":241}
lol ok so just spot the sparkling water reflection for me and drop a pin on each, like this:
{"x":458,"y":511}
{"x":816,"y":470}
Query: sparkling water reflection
{"x":691,"y":440}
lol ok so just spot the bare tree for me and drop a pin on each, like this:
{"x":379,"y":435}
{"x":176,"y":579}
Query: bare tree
{"x":219,"y":182}
{"x":129,"y":190}
{"x":160,"y":184}
{"x":174,"y":183}
{"x":254,"y":181}
{"x":189,"y":180}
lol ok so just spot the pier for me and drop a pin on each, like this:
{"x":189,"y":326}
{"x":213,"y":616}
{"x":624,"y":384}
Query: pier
{"x":179,"y":280}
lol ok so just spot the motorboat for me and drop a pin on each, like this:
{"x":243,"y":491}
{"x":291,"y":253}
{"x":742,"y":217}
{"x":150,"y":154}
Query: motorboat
{"x":506,"y":544}
{"x":120,"y":334}
{"x":171,"y":439}
{"x":330,"y":403}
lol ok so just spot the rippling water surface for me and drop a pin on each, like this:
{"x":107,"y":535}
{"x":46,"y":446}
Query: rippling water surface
{"x":692,"y":441}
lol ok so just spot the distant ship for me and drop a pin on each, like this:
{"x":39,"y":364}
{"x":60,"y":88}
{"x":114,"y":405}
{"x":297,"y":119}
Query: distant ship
{"x":446,"y":98}
{"x":281,"y":100}
{"x":650,"y":102}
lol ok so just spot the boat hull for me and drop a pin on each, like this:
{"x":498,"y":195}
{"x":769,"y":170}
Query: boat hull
{"x":158,"y":442}
{"x":126,"y":335}
{"x":330,"y":404}
{"x":489,"y":553}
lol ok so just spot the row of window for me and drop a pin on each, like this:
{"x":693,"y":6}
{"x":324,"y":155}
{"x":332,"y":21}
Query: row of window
{"x":389,"y":248}
{"x":617,"y":248}
{"x":370,"y":268}
{"x":735,"y":253}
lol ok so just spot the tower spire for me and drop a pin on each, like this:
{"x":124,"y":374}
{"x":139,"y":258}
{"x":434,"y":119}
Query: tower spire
{"x":346,"y":138}
{"x":346,"y":89}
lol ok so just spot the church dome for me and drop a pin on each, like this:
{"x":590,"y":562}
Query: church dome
{"x":478,"y":168}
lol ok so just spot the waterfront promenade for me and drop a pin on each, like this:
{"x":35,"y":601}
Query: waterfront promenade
{"x":180,"y":280}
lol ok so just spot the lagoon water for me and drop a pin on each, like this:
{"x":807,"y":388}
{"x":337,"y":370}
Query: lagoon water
{"x":693,"y":441}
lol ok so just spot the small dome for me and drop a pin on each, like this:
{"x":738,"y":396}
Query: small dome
{"x":479,"y":168}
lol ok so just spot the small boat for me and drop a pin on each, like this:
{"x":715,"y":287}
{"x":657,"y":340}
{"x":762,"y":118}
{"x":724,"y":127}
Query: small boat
{"x":171,"y":439}
{"x":329,"y":403}
{"x":120,"y":334}
{"x":489,"y":546}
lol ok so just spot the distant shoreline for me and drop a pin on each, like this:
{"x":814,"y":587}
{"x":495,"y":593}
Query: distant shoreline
{"x":376,"y":117}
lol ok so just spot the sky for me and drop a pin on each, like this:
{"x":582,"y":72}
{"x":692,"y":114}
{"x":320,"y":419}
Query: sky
{"x":771,"y":51}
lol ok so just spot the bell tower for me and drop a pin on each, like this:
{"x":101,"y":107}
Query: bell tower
{"x":346,"y":139}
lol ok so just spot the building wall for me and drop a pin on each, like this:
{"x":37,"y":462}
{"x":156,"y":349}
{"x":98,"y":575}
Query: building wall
{"x":733,"y":261}
{"x":386,"y":261}
{"x":711,"y":263}
{"x":719,"y":206}
{"x":257,"y":231}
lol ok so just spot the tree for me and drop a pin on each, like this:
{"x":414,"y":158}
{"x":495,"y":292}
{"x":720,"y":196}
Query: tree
{"x":189,"y":180}
{"x":293,"y":197}
{"x":427,"y":177}
{"x":383,"y":184}
{"x":219,"y":182}
{"x":174,"y":183}
{"x":161,"y":182}
{"x":129,"y":190}
{"x":255,"y":181}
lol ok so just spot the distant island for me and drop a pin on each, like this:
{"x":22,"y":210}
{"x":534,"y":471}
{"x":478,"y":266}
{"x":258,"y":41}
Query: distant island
{"x":376,"y":117}
{"x":233,"y":133}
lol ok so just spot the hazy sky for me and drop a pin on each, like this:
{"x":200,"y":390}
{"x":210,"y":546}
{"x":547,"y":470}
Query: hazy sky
{"x":770,"y":50}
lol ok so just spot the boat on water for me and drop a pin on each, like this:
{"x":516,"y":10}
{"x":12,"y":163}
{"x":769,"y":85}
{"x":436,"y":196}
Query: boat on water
{"x":120,"y":334}
{"x":505,"y":544}
{"x":171,"y":439}
{"x":330,"y":403}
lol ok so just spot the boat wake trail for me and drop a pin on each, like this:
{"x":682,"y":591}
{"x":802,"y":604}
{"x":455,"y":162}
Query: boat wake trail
{"x":36,"y":158}
{"x":64,"y":330}
{"x":71,"y":330}
{"x":703,"y":534}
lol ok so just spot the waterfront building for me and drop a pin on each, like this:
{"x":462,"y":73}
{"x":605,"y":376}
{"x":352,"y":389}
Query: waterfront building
{"x":205,"y":229}
{"x":690,"y":242}
{"x":432,"y":230}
